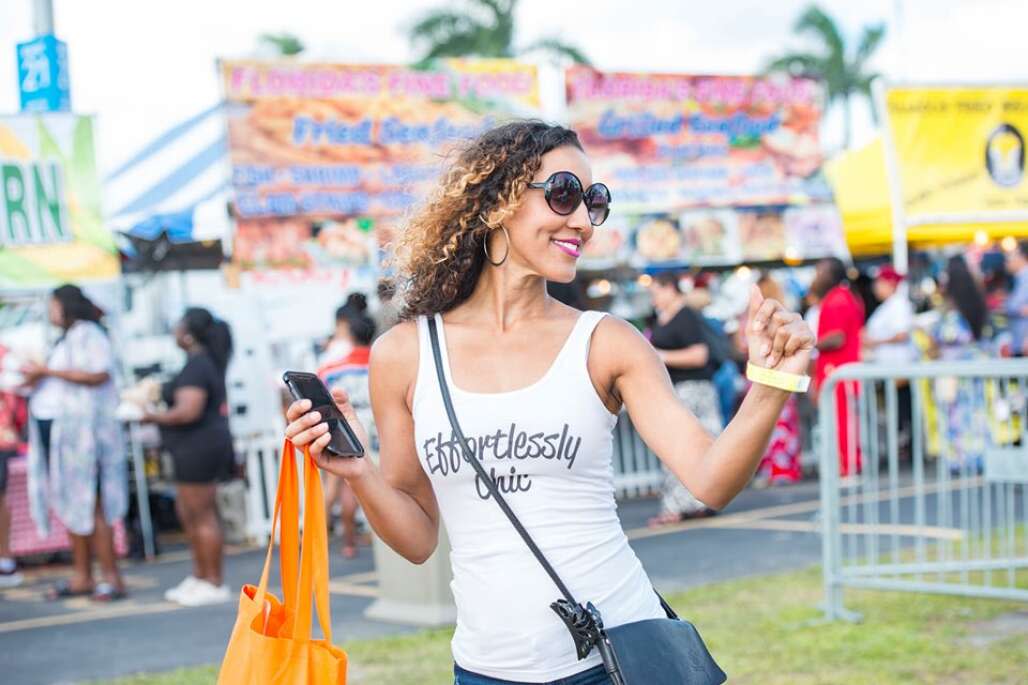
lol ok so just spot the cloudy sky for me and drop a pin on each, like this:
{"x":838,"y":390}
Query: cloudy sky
{"x":142,"y":65}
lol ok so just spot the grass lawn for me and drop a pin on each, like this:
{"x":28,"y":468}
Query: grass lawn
{"x":766,"y":630}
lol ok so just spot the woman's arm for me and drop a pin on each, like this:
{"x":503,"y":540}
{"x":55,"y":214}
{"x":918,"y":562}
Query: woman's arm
{"x":715,"y":471}
{"x":691,"y":357}
{"x":34,"y":372}
{"x":396,"y":495}
{"x":831,"y":341}
{"x":902,"y":336}
{"x":187,"y":408}
{"x":80,"y":377}
{"x":91,"y":358}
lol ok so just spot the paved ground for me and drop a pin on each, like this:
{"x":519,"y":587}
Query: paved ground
{"x":75,"y":641}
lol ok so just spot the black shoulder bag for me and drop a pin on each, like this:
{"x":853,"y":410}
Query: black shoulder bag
{"x":661,"y":651}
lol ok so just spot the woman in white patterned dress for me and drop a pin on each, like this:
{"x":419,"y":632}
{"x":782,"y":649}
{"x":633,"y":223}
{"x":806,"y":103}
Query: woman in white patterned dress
{"x":77,"y":464}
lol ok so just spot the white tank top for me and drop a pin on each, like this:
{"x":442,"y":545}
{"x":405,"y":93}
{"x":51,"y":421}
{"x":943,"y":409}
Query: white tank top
{"x":549,"y":445}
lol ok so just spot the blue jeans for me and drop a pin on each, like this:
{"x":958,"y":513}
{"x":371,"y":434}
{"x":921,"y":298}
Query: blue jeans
{"x":594,"y":676}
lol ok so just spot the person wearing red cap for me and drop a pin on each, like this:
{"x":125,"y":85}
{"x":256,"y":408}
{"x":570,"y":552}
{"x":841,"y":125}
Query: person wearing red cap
{"x":887,"y":338}
{"x":887,"y":335}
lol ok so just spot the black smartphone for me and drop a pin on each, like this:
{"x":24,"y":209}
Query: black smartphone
{"x":307,"y":386}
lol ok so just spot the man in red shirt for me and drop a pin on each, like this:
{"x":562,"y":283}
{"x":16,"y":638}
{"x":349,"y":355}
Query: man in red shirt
{"x":838,"y":343}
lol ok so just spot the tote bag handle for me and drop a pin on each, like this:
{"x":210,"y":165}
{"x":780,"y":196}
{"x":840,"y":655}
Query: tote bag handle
{"x":314,"y":556}
{"x":312,"y":579}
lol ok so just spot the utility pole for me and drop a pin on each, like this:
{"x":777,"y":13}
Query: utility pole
{"x":899,"y":38}
{"x":43,"y":17}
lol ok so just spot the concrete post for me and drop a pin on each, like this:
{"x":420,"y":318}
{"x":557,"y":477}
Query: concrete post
{"x":413,"y":594}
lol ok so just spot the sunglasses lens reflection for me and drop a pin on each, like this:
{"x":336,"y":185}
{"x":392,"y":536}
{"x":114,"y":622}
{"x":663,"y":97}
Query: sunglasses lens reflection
{"x":597,"y":201}
{"x":565,"y":192}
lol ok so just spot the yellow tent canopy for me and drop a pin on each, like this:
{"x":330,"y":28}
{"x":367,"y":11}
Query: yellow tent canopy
{"x":859,"y":182}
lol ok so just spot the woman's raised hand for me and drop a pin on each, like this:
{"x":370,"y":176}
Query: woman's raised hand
{"x":778,"y":339}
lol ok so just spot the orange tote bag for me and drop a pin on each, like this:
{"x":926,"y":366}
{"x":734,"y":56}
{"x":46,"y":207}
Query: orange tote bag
{"x":271,"y":642}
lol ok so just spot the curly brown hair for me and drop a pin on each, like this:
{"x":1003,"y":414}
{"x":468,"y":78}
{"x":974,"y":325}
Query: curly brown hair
{"x":439,"y":256}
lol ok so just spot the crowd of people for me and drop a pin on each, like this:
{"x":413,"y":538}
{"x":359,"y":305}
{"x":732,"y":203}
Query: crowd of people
{"x":74,"y":439}
{"x":77,"y":463}
{"x":65,"y":418}
{"x":871,"y":321}
{"x":959,"y":310}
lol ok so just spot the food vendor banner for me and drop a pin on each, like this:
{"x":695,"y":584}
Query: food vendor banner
{"x":960,"y":150}
{"x":51,"y":224}
{"x":326,"y":156}
{"x":725,"y":236}
{"x":665,"y":142}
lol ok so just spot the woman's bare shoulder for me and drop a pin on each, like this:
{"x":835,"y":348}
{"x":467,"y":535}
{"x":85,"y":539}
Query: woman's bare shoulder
{"x":394,"y":361}
{"x":616,"y":343}
{"x":615,"y":331}
{"x":397,"y":347}
{"x":394,"y":357}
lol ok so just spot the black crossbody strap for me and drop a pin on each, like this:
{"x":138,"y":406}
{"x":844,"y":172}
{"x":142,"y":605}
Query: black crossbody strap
{"x":480,"y":470}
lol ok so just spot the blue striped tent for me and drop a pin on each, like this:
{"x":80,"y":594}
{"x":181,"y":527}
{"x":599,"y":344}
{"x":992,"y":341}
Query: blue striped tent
{"x":175,"y":189}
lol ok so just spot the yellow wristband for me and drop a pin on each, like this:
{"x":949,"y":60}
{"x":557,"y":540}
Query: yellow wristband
{"x":777,"y":379}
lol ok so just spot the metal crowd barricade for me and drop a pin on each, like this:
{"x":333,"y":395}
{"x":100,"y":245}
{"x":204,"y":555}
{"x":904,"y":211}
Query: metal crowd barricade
{"x":947,"y":512}
{"x":260,"y":452}
{"x":637,"y":470}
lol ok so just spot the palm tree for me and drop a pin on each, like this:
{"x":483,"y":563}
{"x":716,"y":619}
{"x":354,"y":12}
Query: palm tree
{"x":482,"y":28}
{"x":843,"y":75}
{"x":286,"y":44}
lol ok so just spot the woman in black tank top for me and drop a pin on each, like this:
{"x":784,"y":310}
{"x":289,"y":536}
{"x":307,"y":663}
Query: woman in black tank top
{"x":195,"y":431}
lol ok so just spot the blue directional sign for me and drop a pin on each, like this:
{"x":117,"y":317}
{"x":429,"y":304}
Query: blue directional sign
{"x":43,"y":75}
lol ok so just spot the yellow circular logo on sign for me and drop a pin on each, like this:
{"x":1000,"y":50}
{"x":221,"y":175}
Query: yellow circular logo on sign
{"x":1004,"y":156}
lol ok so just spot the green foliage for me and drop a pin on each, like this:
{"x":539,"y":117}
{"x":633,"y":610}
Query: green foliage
{"x":843,"y":74}
{"x":481,"y":28}
{"x":286,"y":44}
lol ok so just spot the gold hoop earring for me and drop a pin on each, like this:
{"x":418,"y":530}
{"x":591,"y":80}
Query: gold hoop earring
{"x":485,"y":245}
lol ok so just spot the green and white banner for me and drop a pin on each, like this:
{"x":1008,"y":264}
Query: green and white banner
{"x":51,"y":222}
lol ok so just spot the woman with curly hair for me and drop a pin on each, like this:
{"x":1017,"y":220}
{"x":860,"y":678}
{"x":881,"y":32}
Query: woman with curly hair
{"x":537,"y":387}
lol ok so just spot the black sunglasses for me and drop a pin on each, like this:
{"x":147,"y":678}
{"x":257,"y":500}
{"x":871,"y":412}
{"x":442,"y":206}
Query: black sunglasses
{"x":564,"y":193}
